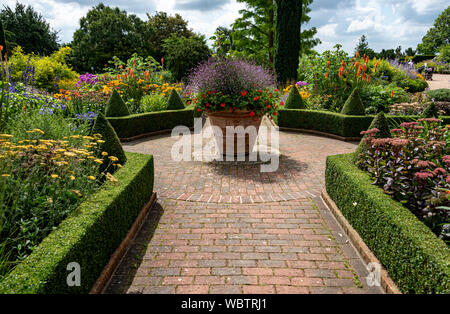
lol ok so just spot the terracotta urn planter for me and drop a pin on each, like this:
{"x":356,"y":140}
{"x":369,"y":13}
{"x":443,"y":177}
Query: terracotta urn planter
{"x":222,"y":119}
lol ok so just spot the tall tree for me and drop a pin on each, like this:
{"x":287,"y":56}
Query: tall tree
{"x":27,"y":28}
{"x":288,"y":15}
{"x":363,"y":47}
{"x":437,"y":36}
{"x":164,"y":26}
{"x":254,"y":31}
{"x":106,"y":32}
{"x":223,"y":41}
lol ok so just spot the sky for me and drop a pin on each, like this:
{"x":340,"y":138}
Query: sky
{"x":386,"y":23}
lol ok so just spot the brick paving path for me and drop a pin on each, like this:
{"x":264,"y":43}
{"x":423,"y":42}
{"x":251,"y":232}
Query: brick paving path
{"x":234,"y":242}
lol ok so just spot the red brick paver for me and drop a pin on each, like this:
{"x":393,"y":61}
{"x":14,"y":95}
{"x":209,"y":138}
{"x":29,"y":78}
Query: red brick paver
{"x":193,"y":245}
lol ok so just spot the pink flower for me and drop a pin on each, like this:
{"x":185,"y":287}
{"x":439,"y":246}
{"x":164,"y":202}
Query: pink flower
{"x":423,"y":175}
{"x":438,"y":171}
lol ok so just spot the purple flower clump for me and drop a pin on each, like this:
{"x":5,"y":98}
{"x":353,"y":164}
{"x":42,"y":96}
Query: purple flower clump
{"x":87,"y":78}
{"x":229,"y":76}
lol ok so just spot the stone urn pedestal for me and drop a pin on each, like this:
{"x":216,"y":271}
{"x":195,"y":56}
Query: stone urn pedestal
{"x":238,"y":128}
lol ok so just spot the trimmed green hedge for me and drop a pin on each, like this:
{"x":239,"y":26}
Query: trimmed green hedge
{"x":139,"y":124}
{"x":335,"y":123}
{"x":88,"y":236}
{"x":417,"y":260}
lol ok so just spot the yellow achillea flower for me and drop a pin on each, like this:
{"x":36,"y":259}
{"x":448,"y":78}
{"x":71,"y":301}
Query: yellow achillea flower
{"x":104,"y":154}
{"x":99,"y":161}
{"x":91,"y":178}
{"x":6,"y":175}
{"x":54,"y":176}
{"x":113,"y":158}
{"x":72,"y":178}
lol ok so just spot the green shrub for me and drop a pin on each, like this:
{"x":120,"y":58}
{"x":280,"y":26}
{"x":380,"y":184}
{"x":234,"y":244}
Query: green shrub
{"x":412,"y":86}
{"x":294,"y":100}
{"x":144,"y":123}
{"x":116,"y":106}
{"x":442,"y":94}
{"x":353,"y":106}
{"x":153,"y":103}
{"x":420,"y":58}
{"x":414,"y":257}
{"x":88,"y":236}
{"x":430,"y":111}
{"x":174,"y":102}
{"x":183,"y":54}
{"x":111,"y":144}
{"x":47,"y":69}
{"x":444,"y":53}
{"x":335,"y":123}
{"x":377,"y":98}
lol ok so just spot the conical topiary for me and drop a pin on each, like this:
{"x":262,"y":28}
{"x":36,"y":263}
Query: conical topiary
{"x":354,"y":106}
{"x":116,"y":106}
{"x":430,"y":111}
{"x":379,"y":122}
{"x":294,"y":100}
{"x":111,"y":144}
{"x":174,"y":102}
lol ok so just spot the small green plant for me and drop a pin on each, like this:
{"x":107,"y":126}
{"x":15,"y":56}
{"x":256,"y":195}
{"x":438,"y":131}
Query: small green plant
{"x":153,"y":103}
{"x":116,"y":106}
{"x":353,"y":106}
{"x":430,"y":111}
{"x":442,"y":94}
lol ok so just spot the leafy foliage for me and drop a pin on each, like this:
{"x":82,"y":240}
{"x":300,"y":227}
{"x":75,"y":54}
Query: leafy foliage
{"x":27,"y":28}
{"x":184,"y":53}
{"x":253,"y":33}
{"x":442,"y":94}
{"x":378,"y":98}
{"x":174,"y":102}
{"x":2,"y":41}
{"x":353,"y":106}
{"x":430,"y":111}
{"x":116,"y":106}
{"x":106,"y":32}
{"x":437,"y":36}
{"x":163,"y":26}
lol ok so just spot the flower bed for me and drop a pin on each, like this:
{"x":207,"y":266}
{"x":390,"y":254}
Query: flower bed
{"x":88,"y":236}
{"x":413,"y":167}
{"x":416,"y":259}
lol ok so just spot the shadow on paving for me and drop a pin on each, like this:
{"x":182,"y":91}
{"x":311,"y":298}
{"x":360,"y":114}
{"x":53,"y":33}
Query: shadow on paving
{"x":133,"y":258}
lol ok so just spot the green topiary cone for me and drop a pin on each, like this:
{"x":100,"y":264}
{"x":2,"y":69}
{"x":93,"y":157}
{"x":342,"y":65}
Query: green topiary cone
{"x":354,"y":106}
{"x":116,"y":107}
{"x":380,"y":122}
{"x":295,"y":100}
{"x":430,"y":111}
{"x":175,"y":102}
{"x":111,"y":145}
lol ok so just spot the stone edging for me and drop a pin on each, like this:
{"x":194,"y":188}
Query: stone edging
{"x":314,"y":132}
{"x":116,"y":257}
{"x":387,"y":283}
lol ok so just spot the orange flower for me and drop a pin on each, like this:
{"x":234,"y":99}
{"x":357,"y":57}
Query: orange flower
{"x":132,"y":73}
{"x":146,"y":74}
{"x":1,"y":47}
{"x":124,"y":76}
{"x":367,"y":59}
{"x":365,"y":68}
{"x":326,"y":75}
{"x":364,"y":76}
{"x":368,"y":78}
{"x":357,"y":54}
{"x":343,"y":62}
{"x":328,"y":63}
{"x":392,"y":94}
{"x":162,"y":60}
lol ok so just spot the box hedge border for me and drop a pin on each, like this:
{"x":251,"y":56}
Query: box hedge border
{"x":335,"y":123}
{"x":416,"y":259}
{"x":145,"y":123}
{"x":87,"y":236}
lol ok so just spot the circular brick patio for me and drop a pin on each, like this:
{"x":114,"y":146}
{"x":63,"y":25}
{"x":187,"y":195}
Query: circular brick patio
{"x":226,"y":227}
